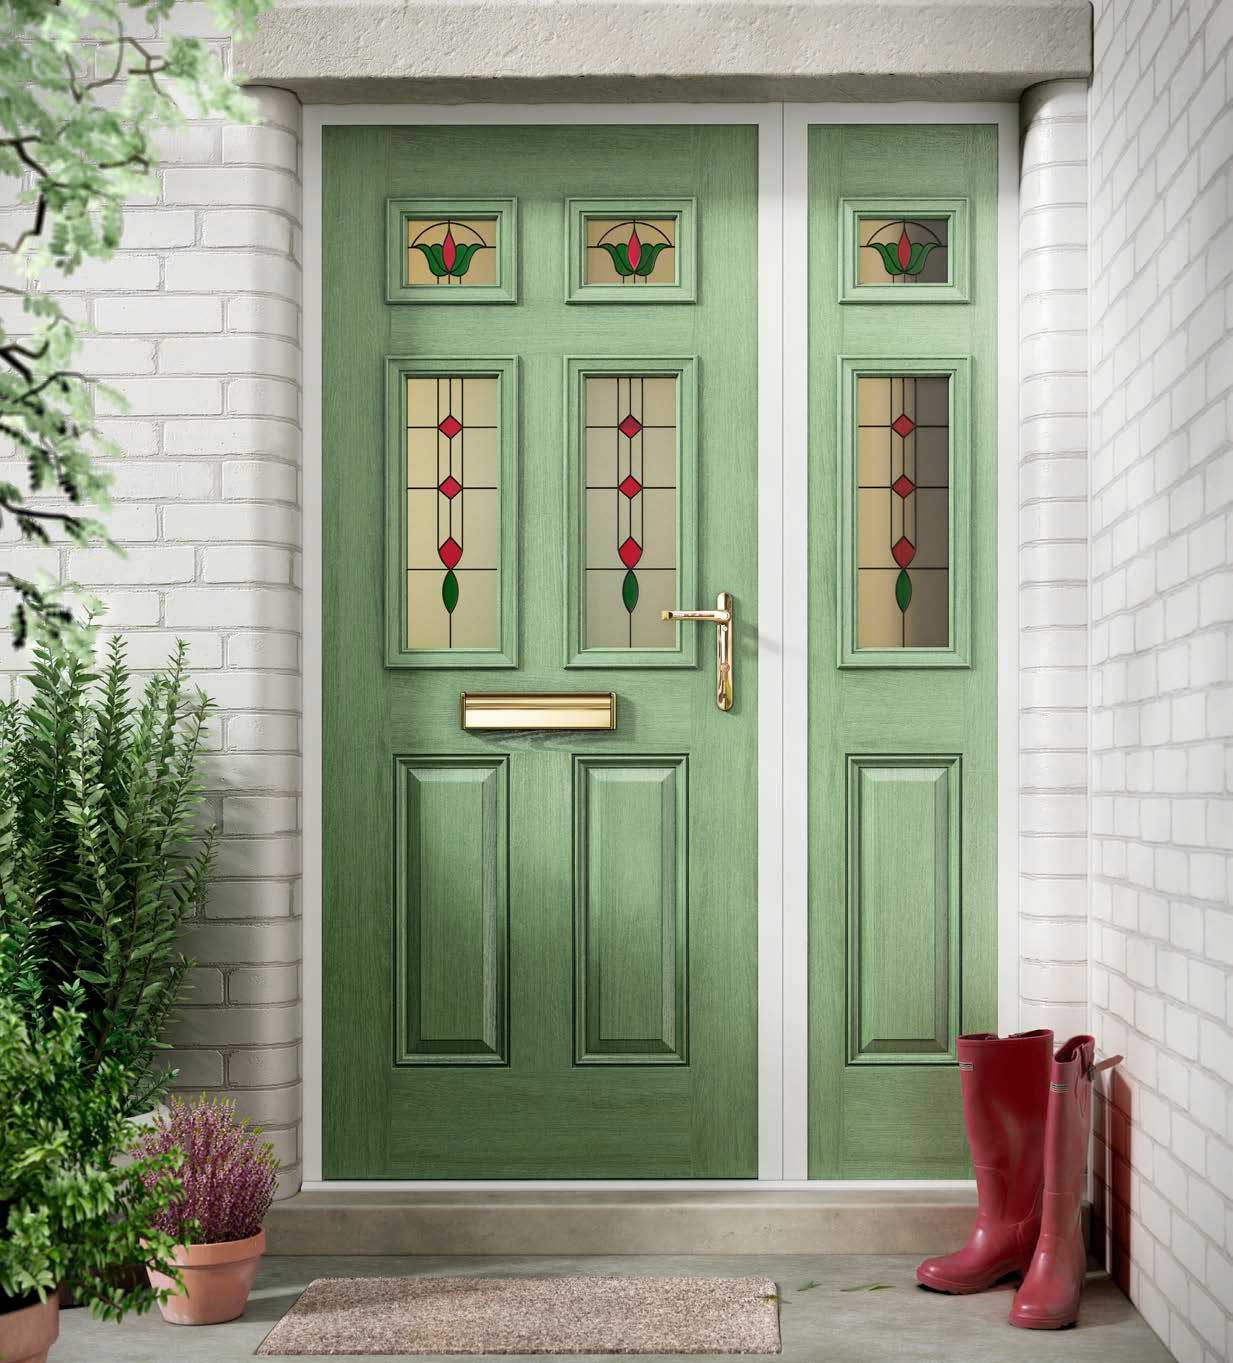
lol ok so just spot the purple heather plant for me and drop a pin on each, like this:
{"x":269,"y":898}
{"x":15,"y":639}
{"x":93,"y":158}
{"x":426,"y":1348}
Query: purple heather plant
{"x":228,"y":1173}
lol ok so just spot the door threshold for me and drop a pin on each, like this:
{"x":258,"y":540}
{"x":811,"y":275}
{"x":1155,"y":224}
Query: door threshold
{"x":534,"y":1219}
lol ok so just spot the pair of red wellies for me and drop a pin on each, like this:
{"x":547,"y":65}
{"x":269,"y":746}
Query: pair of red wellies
{"x":1027,"y":1112}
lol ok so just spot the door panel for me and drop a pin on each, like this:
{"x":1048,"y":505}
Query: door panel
{"x":538,"y":948}
{"x":902,"y":362}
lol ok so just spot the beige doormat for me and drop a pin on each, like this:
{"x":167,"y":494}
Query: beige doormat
{"x":403,"y":1316}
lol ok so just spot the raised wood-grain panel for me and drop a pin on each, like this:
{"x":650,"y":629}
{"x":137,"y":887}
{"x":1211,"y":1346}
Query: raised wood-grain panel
{"x":903,"y":909}
{"x":452,"y":911}
{"x":631,"y":964}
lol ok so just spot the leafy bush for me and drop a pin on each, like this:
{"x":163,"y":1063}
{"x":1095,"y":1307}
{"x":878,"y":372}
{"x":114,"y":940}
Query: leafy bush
{"x":100,"y":854}
{"x":227,"y":1175}
{"x":66,"y":1211}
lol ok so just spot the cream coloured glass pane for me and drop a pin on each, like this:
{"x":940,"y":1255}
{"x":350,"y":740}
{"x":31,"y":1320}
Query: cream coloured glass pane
{"x":453,"y":512}
{"x":630,"y":250}
{"x":902,"y":512}
{"x":630,"y":510}
{"x":452,"y":251}
{"x":902,"y":251}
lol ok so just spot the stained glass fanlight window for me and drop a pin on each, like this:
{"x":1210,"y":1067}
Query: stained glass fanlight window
{"x":630,"y":510}
{"x":453,"y":536}
{"x":452,"y":251}
{"x":903,"y":511}
{"x":630,"y":251}
{"x":903,"y":250}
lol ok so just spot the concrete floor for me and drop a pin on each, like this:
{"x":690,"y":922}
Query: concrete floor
{"x":820,"y":1324}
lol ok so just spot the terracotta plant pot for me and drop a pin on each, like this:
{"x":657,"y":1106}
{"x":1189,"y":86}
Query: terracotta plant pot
{"x":217,"y":1281}
{"x":27,"y":1334}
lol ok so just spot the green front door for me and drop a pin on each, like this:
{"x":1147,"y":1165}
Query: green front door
{"x":539,"y":432}
{"x":903,"y":265}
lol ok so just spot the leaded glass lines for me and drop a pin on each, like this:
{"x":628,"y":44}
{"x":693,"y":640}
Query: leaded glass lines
{"x":452,"y":512}
{"x":902,"y":513}
{"x":630,"y":509}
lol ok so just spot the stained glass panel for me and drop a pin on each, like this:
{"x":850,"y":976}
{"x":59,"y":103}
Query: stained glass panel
{"x":452,"y":251}
{"x":630,"y":510}
{"x":903,"y":250}
{"x":453,"y":503}
{"x":903,"y":511}
{"x":630,"y":250}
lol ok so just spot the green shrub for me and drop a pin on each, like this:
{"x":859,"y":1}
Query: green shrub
{"x":66,"y":1211}
{"x":101,"y":858}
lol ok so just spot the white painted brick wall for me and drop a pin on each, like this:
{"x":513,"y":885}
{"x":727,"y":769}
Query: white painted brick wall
{"x":1161,"y":525}
{"x":197,"y":322}
{"x":1053,"y":648}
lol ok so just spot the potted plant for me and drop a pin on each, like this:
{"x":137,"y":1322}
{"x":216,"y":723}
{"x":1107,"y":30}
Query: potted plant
{"x":66,"y":1209}
{"x":227,"y":1187}
{"x":101,"y":851}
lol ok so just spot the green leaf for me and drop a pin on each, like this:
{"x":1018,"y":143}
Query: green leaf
{"x":629,"y":590}
{"x":431,"y":251}
{"x":890,"y":256}
{"x":920,"y":254}
{"x":903,"y":591}
{"x":868,"y":1287}
{"x":619,"y":255}
{"x":449,"y":591}
{"x":810,"y":1285}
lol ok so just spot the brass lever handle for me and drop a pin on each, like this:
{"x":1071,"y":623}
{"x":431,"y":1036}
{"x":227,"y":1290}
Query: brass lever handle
{"x":722,"y":618}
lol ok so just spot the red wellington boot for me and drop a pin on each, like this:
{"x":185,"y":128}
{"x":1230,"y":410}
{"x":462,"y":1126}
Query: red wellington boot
{"x":1005,"y":1084}
{"x":1049,"y":1296}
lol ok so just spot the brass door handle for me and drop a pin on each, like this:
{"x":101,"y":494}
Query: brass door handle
{"x":722,"y":618}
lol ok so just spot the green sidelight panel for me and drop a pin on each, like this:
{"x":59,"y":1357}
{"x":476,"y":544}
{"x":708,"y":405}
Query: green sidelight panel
{"x":903,"y":459}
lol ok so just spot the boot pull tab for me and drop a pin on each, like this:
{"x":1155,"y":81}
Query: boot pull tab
{"x":1094,"y":1070}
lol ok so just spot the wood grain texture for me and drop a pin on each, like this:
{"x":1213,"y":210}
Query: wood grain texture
{"x":451,"y":897}
{"x":903,"y":926}
{"x":630,"y":892}
{"x":541,"y":1115}
{"x":898,"y":1120}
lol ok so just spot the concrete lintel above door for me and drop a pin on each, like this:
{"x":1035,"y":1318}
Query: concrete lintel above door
{"x":451,"y":50}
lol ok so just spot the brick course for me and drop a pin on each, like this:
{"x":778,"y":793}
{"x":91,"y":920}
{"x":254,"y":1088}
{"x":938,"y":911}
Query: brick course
{"x":1162,"y":656}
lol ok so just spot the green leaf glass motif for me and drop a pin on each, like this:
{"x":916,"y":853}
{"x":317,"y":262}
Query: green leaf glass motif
{"x":903,"y":591}
{"x":449,"y":591}
{"x":904,"y":257}
{"x":629,"y":591}
{"x":447,"y":259}
{"x":643,"y":263}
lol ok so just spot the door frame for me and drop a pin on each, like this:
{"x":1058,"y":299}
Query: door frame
{"x":782,"y":578}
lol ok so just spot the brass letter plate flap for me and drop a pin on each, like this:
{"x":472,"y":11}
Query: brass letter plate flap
{"x":538,"y":710}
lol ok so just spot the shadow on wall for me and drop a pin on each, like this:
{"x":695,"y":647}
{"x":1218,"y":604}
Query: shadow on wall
{"x":1111,"y":1174}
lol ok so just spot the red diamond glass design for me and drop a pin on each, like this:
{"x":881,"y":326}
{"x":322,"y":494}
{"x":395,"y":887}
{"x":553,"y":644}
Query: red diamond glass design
{"x":903,"y":551}
{"x":630,"y":552}
{"x":630,"y":426}
{"x":450,"y":427}
{"x":450,"y":552}
{"x":903,"y":485}
{"x":630,"y":486}
{"x":449,"y":487}
{"x":903,"y":425}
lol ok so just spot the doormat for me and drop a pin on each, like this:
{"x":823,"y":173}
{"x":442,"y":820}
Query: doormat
{"x":406,"y":1316}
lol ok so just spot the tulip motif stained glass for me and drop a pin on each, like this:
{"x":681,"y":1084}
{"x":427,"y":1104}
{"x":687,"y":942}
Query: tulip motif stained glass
{"x":902,"y":512}
{"x":451,"y":251}
{"x":630,"y":251}
{"x":452,"y":512}
{"x":903,"y":250}
{"x":630,"y":510}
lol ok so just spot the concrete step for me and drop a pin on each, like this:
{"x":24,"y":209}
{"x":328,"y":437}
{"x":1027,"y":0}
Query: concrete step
{"x":704,"y":1221}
